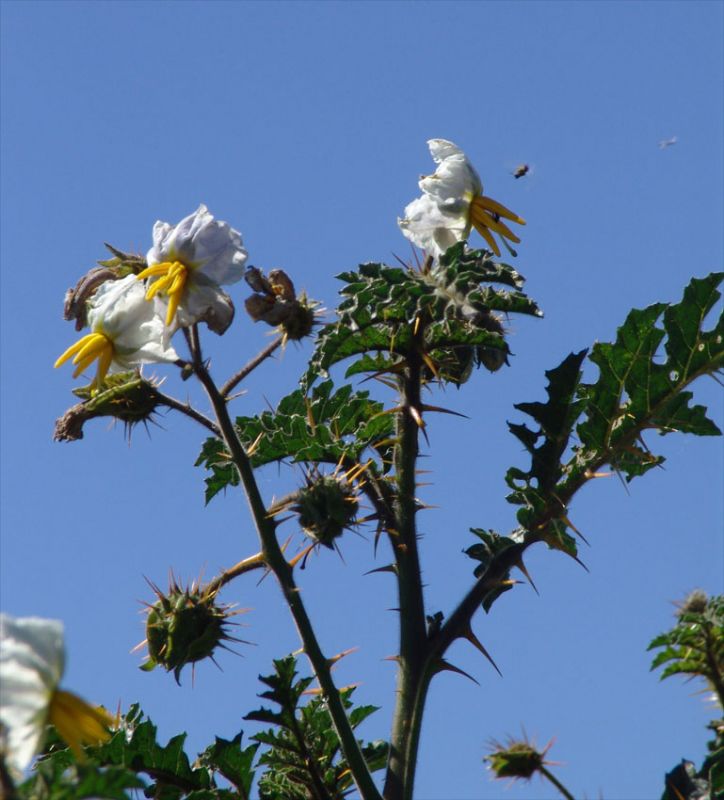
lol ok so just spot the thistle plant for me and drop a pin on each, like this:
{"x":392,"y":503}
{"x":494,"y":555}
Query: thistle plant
{"x":412,"y":329}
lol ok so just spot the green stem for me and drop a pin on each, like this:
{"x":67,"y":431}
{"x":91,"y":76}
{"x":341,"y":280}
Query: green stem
{"x":274,"y":557}
{"x":552,"y":778}
{"x":411,"y":683}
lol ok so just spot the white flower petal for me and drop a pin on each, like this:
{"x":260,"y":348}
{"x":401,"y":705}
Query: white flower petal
{"x":428,"y":227}
{"x":202,"y":244}
{"x":31,"y":666}
{"x":442,"y":148}
{"x":454,"y":183}
{"x":120,"y":311}
{"x":204,"y":301}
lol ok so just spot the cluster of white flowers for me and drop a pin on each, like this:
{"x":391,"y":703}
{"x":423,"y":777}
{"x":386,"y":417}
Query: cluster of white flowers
{"x":32,"y":660}
{"x":132,"y":319}
{"x":132,"y":322}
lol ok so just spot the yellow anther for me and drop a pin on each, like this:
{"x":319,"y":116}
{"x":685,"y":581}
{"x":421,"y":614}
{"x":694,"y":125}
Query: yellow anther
{"x":172,"y":277}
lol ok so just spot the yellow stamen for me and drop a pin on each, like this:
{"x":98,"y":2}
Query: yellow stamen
{"x":495,"y":207}
{"x":72,"y":350}
{"x":485,"y":233}
{"x":480,"y":217}
{"x":85,"y":351}
{"x":78,"y":723}
{"x":172,"y":283}
{"x":94,"y":343}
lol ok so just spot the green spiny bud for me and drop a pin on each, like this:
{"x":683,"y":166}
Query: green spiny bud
{"x":184,"y":626}
{"x":326,"y":506}
{"x":125,"y":396}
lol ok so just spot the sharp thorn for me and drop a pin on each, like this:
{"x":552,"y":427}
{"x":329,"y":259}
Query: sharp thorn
{"x":473,"y":639}
{"x":447,"y":666}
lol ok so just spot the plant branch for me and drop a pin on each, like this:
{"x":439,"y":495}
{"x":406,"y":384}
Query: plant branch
{"x":188,"y":410}
{"x":237,"y":378}
{"x":274,"y":558}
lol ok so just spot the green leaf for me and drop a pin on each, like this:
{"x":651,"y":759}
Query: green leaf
{"x":215,"y":457}
{"x":542,"y":513}
{"x":637,"y":389}
{"x":325,"y":427}
{"x":304,"y":751}
{"x":233,"y":762}
{"x":491,"y":544}
{"x":388,"y":312}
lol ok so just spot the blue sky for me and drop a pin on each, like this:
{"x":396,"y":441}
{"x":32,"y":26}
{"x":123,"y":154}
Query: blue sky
{"x":304,"y":126}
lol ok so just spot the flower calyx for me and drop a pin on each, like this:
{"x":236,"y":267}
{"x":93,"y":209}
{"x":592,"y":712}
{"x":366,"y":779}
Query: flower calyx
{"x":126,"y":396}
{"x":185,"y":625}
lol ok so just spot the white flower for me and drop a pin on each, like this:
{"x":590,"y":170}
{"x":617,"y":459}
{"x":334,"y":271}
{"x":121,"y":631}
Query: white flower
{"x":452,"y":203}
{"x":32,"y":660}
{"x":187,"y":265}
{"x":126,"y":332}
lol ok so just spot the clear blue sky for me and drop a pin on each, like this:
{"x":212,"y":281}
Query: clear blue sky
{"x":304,"y":125}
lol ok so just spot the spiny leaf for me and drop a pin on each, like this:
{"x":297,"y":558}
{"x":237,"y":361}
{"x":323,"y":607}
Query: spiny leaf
{"x":324,"y":427}
{"x":383,"y":307}
{"x":304,"y":751}
{"x":490,"y":545}
{"x":638,"y":390}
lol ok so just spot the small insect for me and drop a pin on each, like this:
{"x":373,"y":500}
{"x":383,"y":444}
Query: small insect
{"x":664,"y":143}
{"x":521,"y":170}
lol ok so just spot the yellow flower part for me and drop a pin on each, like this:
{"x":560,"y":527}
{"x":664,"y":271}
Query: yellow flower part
{"x":485,"y":216}
{"x":92,"y":347}
{"x":172,"y":282}
{"x":78,"y":723}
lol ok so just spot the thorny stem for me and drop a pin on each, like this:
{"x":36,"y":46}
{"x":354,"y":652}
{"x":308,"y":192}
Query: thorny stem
{"x":460,"y":619}
{"x":236,"y":379}
{"x":274,"y":558}
{"x":411,"y":683}
{"x":188,"y":410}
{"x":552,"y":778}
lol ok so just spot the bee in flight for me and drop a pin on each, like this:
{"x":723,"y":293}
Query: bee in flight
{"x":521,"y":170}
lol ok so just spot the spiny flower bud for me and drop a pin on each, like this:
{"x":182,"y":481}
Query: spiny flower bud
{"x":326,"y":506}
{"x":184,"y":626}
{"x":127,"y":397}
{"x":519,"y":758}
